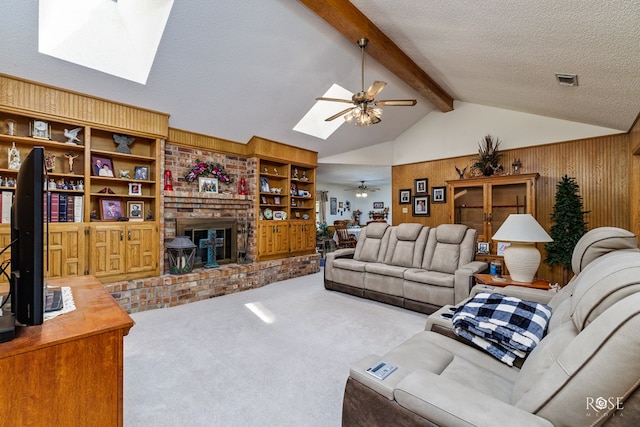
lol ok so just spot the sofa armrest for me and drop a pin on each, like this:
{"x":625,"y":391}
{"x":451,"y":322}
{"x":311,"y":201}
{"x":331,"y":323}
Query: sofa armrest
{"x":464,"y":279}
{"x":540,"y":296}
{"x":331,"y":256}
{"x":450,"y":403}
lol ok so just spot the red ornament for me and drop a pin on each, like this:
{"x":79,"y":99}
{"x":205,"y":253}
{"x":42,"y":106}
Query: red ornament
{"x":168,"y":181}
{"x":243,"y":190}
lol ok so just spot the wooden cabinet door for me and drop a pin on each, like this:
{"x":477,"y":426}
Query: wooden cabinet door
{"x":66,"y":247}
{"x":296,"y":236}
{"x":281,"y":238}
{"x":309,"y":236}
{"x":107,"y":252}
{"x":141,"y":247}
{"x":273,"y":238}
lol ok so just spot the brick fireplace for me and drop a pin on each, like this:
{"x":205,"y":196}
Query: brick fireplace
{"x":187,"y":205}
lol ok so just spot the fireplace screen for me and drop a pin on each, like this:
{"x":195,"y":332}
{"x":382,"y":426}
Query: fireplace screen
{"x":197,"y":229}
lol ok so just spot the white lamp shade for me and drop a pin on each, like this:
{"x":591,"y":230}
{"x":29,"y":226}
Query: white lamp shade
{"x":521,"y":228}
{"x":522,"y":257}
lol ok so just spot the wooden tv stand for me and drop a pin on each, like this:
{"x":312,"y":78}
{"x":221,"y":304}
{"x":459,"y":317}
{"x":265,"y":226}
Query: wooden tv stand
{"x":67,"y":371}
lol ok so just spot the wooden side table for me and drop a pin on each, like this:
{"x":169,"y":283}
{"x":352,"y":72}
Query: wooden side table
{"x":487,"y":279}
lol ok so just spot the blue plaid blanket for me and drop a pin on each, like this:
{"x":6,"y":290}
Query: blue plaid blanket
{"x":506,"y":327}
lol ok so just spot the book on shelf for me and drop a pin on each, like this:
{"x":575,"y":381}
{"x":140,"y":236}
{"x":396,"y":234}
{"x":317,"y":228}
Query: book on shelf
{"x":62,"y":208}
{"x":78,"y":205}
{"x":7,"y":200}
{"x":70,"y":207}
{"x":54,"y":207}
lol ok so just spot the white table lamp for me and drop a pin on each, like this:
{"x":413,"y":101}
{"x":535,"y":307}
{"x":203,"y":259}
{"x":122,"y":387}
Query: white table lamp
{"x":522,"y":258}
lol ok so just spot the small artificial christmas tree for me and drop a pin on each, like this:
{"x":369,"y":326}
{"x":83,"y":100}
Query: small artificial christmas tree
{"x":568,"y":215}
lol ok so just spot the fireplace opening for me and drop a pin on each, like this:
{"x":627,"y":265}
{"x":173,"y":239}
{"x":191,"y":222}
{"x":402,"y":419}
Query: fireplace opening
{"x":226,"y":237}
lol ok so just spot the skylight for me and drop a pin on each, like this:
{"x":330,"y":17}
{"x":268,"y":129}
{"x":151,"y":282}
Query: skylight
{"x":116,"y":37}
{"x":313,"y":122}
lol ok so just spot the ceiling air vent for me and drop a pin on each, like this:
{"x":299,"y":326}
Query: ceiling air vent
{"x":567,"y":79}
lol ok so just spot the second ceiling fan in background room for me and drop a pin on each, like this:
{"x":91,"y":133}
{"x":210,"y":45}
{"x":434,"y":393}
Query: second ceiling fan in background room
{"x":366,"y":111}
{"x":362,"y":190}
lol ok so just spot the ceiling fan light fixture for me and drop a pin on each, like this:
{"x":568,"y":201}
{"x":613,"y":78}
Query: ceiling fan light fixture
{"x":364,"y":116}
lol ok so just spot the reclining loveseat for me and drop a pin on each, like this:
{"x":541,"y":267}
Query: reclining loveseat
{"x":408,"y":265}
{"x":585,"y":371}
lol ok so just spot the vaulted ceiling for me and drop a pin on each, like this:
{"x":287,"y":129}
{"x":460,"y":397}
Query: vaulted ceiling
{"x":234,"y":69}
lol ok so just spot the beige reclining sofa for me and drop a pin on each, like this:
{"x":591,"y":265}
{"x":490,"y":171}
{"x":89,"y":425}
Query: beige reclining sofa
{"x":585,"y":371}
{"x":408,"y":265}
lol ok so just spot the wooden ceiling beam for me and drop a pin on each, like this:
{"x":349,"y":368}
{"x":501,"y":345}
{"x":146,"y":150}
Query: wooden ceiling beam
{"x":353,"y":24}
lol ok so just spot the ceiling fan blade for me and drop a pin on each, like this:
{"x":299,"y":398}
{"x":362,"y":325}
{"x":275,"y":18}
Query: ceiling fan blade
{"x":341,"y":113}
{"x":348,"y":101}
{"x":396,"y":103}
{"x":375,"y":89}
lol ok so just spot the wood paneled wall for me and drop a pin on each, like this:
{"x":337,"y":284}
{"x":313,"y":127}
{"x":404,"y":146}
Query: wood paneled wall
{"x":604,"y":167}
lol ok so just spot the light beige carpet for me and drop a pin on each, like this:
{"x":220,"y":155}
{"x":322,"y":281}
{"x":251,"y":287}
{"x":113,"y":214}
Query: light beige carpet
{"x":218,"y":363}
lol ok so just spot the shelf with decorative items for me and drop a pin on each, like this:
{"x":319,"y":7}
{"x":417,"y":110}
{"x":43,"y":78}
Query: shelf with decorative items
{"x":123,"y":176}
{"x":302,"y":190}
{"x":273,"y":184}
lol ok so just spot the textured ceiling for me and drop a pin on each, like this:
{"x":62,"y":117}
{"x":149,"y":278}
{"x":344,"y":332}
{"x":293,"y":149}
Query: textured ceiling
{"x":234,"y":69}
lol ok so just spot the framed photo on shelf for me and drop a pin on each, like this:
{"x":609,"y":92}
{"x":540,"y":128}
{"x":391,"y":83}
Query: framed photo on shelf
{"x":207,"y":185}
{"x":110,"y":209}
{"x":439,"y":194}
{"x":483,"y":248}
{"x":421,"y":206}
{"x":264,"y":185}
{"x":420,"y":186}
{"x":405,"y":196}
{"x":135,"y":211}
{"x":101,"y":166}
{"x":276,"y":200}
{"x":141,"y":172}
{"x":135,"y":189}
{"x":501,"y":246}
{"x":294,"y":189}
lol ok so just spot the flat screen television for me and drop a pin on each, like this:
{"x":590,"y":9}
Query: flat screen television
{"x":27,"y":237}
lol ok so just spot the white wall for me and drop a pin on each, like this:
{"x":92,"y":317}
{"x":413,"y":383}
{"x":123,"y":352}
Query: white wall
{"x":365,"y":205}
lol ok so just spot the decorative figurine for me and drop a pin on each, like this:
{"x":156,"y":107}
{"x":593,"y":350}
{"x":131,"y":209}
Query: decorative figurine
{"x":304,"y":176}
{"x":80,"y":185}
{"x":70,"y":157}
{"x":275,"y":171}
{"x":72,"y":135}
{"x":10,"y":127}
{"x":50,"y":162}
{"x":295,"y":173}
{"x":123,"y":142}
{"x":14,"y":157}
{"x":52,"y":184}
{"x":124,"y":174}
{"x":517,"y":164}
{"x":461,"y":172}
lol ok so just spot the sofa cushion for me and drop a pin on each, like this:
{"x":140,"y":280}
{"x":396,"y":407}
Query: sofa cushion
{"x":406,"y":245}
{"x":408,"y":231}
{"x":372,"y":244}
{"x":349,"y":264}
{"x":604,"y":282}
{"x":429,"y":277}
{"x":451,"y":233}
{"x":598,"y":242}
{"x":385,"y":269}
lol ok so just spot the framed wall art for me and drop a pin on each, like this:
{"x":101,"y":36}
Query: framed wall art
{"x":439,"y":194}
{"x":421,"y":206}
{"x":405,"y":196}
{"x":420,"y":186}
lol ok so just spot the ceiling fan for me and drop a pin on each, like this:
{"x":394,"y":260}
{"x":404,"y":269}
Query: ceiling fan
{"x":366,"y":111}
{"x":361,"y":190}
